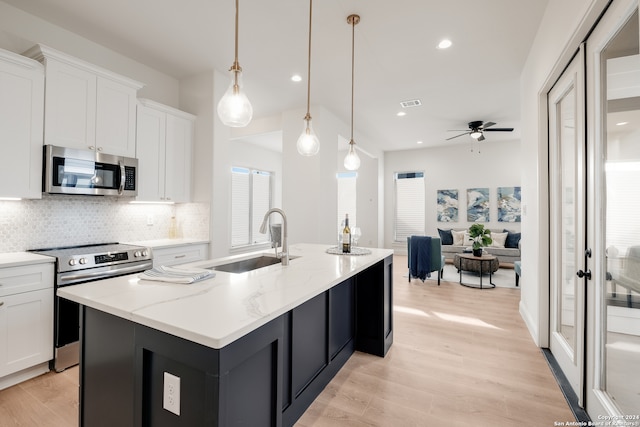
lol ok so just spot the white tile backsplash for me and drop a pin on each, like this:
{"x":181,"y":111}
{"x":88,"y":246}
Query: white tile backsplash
{"x":75,"y":220}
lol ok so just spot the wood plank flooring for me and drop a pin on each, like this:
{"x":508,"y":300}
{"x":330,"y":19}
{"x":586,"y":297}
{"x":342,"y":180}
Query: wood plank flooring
{"x":460,"y":357}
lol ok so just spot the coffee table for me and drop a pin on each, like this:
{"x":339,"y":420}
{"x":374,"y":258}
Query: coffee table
{"x":482,"y":264}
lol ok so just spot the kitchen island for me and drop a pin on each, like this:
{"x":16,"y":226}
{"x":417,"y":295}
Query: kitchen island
{"x":252,"y":348}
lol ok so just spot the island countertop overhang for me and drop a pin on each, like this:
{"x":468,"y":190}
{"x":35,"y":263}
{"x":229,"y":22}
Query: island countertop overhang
{"x":218,"y":311}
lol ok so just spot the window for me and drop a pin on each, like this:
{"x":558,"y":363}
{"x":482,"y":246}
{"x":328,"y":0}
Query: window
{"x":409,"y":205}
{"x":250,"y":200}
{"x":346,"y":198}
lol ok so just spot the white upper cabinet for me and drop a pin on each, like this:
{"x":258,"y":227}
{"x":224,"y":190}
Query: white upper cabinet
{"x":86,"y":106}
{"x":21,"y":119}
{"x":163,"y":148}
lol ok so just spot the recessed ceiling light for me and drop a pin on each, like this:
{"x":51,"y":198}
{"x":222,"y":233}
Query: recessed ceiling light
{"x":622,"y":123}
{"x":296,"y":78}
{"x":444,"y":44}
{"x":419,"y":142}
{"x":401,"y":113}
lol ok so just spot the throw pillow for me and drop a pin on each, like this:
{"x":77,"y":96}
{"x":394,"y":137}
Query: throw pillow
{"x":468,"y":241}
{"x":512,"y":240}
{"x":446,"y":238}
{"x":499,"y":239}
{"x":458,"y":237}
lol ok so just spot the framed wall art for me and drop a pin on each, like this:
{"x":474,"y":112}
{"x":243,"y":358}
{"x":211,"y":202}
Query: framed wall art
{"x":509,"y":199}
{"x":447,"y":205}
{"x":478,"y":205}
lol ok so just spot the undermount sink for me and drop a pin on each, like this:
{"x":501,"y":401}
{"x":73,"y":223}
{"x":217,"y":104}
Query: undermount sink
{"x":245,"y":265}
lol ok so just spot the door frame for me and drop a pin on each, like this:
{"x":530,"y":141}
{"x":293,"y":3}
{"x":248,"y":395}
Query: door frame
{"x":571,"y":360}
{"x":619,"y":12}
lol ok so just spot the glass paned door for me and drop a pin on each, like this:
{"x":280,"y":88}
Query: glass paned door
{"x":613,"y":88}
{"x":567,"y":178}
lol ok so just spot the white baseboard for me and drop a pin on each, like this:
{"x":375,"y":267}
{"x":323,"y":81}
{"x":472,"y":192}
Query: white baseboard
{"x":24,"y":375}
{"x":532,"y":326}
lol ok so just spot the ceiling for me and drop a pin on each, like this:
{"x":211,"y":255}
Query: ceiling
{"x":396,"y":58}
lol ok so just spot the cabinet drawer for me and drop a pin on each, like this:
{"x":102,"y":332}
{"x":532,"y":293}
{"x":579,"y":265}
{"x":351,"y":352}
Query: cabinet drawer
{"x":179,"y":254}
{"x":15,"y":280}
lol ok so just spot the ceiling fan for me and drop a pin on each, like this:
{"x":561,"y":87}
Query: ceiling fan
{"x":477,"y":129}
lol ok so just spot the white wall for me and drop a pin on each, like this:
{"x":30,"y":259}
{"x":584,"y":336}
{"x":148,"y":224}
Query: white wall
{"x":499,"y":164}
{"x":564,"y":26}
{"x":20,"y":30}
{"x":309,"y":188}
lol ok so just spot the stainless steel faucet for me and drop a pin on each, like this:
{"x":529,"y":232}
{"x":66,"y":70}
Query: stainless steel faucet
{"x":285,"y":245}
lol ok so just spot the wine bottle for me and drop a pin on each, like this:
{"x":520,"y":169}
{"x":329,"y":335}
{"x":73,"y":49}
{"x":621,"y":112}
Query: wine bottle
{"x":346,"y":236}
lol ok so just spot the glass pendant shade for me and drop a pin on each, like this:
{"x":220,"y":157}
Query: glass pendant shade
{"x":351,"y":160}
{"x":308,"y":143}
{"x":234,"y":109}
{"x":475,"y":134}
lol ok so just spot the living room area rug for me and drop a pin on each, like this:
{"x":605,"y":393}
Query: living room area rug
{"x":503,"y":278}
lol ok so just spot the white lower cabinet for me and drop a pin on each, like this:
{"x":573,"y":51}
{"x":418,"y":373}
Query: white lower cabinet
{"x":180,"y":254}
{"x":26,"y":318}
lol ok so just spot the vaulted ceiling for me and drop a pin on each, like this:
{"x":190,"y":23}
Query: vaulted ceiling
{"x":396,"y":58}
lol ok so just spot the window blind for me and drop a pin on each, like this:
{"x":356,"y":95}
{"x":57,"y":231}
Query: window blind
{"x":261,"y":203}
{"x":250,"y":200}
{"x":623,"y":204}
{"x":240,"y":191}
{"x":409,"y":205}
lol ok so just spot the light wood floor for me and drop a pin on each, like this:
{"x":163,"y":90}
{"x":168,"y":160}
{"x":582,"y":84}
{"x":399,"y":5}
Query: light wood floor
{"x":460,"y":357}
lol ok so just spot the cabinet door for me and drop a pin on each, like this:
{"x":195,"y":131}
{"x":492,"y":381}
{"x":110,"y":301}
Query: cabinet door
{"x":178,"y":159}
{"x":70,"y":106}
{"x":21,"y":122}
{"x":309,"y":346}
{"x":150,"y":151}
{"x":179,"y":254}
{"x":115,"y":118}
{"x":26,"y":330}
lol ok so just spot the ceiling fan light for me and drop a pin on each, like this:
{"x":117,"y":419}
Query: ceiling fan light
{"x":475,"y":134}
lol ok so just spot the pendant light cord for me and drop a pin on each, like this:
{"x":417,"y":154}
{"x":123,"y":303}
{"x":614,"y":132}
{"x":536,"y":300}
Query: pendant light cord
{"x":353,"y":20}
{"x":353,"y":37}
{"x":235,"y":62}
{"x":308,"y":116}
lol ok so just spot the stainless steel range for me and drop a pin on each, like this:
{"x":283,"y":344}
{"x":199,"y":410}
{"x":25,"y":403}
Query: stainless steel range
{"x":81,"y":264}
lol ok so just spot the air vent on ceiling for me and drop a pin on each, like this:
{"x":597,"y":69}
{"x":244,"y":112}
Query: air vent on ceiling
{"x":411,"y":103}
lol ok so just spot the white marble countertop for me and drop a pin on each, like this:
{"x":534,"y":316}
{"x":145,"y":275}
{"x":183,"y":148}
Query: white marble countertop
{"x":15,"y":259}
{"x":218,"y":311}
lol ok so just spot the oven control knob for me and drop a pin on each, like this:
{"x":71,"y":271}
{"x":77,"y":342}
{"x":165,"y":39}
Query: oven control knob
{"x":137,"y":254}
{"x":145,"y":253}
{"x":72,"y":262}
{"x":83,"y":260}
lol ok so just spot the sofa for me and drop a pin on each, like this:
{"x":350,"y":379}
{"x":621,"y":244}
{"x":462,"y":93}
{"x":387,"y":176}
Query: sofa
{"x":506,"y":244}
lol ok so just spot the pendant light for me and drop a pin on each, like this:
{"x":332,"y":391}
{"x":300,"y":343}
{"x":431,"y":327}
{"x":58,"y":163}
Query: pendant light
{"x":352,"y":161}
{"x":234,"y":109}
{"x":308,"y":144}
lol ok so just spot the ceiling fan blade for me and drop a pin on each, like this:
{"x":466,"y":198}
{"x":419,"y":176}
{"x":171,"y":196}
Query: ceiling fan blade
{"x":488,"y":124}
{"x":466,"y":133}
{"x":500,"y":130}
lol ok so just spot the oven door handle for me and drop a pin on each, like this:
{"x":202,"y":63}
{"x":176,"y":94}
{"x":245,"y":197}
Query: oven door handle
{"x":123,"y":177}
{"x":69,"y":279}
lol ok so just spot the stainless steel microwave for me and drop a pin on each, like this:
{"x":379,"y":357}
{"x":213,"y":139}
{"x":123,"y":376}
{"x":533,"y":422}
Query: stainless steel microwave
{"x":88,"y":172}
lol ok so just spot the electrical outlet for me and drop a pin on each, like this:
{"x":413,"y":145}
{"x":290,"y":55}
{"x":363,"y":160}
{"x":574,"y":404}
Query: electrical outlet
{"x":149,"y":219}
{"x":171,"y":394}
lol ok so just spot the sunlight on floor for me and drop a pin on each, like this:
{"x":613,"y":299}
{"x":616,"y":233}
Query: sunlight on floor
{"x":471,"y":321}
{"x":409,"y":310}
